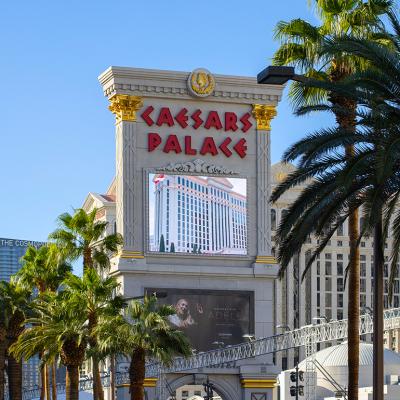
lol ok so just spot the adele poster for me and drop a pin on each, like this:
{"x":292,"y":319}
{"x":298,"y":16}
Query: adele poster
{"x":210,"y":318}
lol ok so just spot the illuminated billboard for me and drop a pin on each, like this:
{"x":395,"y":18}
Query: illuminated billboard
{"x":210,"y":318}
{"x":197,"y":214}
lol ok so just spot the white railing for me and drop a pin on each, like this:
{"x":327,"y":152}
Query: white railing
{"x":324,"y":332}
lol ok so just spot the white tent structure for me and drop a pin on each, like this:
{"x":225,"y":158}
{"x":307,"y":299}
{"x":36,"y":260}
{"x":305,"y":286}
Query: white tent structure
{"x":331,"y":373}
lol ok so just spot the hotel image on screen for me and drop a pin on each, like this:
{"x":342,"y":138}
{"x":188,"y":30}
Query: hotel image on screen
{"x":197,"y":214}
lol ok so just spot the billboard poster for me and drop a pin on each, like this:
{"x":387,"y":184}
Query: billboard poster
{"x":197,"y":214}
{"x":210,"y":318}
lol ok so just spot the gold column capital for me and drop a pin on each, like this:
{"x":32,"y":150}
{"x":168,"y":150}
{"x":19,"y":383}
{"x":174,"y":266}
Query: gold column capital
{"x":264,"y":114}
{"x":125,"y":106}
{"x":258,"y":383}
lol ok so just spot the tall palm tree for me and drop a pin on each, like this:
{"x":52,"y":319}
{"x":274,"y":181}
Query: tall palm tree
{"x":145,"y":331}
{"x":14,"y":302}
{"x":302,"y":47}
{"x":371,"y":178}
{"x":44,"y":269}
{"x":81,"y":235}
{"x":60,"y":327}
{"x":98,"y":296}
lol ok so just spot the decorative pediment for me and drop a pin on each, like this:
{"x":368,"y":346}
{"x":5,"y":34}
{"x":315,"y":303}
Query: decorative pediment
{"x":198,"y":167}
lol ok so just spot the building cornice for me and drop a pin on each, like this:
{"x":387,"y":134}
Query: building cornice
{"x":173,"y":84}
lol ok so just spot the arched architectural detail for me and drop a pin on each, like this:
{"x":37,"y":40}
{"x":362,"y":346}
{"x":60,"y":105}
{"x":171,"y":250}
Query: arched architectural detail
{"x":224,"y":388}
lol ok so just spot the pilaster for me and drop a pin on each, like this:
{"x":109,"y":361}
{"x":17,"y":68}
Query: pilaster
{"x":124,"y":107}
{"x":264,"y":114}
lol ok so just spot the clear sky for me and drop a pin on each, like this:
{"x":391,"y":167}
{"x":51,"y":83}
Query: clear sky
{"x":56,"y":134}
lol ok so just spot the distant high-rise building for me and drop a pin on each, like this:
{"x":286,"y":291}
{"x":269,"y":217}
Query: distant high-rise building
{"x":322,"y":294}
{"x":199,"y":214}
{"x":11,"y":251}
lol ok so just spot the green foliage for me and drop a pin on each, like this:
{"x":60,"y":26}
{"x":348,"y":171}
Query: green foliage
{"x":59,"y":326}
{"x":43,"y":268}
{"x":82,"y":235}
{"x":302,"y":44}
{"x":172,"y":248}
{"x":145,"y":326}
{"x":335,"y":183}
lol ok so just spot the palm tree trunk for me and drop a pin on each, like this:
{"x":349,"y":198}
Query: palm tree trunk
{"x":379,"y":261}
{"x":137,"y":374}
{"x":14,"y":372}
{"x":42,"y":383}
{"x":53,"y":381}
{"x":98,"y":392}
{"x":348,"y":121}
{"x":353,"y":327}
{"x":47,"y":381}
{"x":72,"y":383}
{"x":112,"y":376}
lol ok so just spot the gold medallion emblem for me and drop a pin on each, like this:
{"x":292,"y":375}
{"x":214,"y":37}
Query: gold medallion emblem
{"x":201,"y":83}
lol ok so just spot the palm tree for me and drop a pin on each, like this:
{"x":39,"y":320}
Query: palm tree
{"x":144,"y":332}
{"x":377,"y":91}
{"x":14,"y":302}
{"x":370,"y":178}
{"x":302,"y":47}
{"x":81,"y":235}
{"x":97,"y":294}
{"x":44,"y":269}
{"x":60,"y":327}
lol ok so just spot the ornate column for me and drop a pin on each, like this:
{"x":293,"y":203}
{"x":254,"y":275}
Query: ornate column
{"x":127,"y":189}
{"x":264,"y":114}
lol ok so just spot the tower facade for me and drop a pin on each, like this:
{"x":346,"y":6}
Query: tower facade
{"x":191,"y":199}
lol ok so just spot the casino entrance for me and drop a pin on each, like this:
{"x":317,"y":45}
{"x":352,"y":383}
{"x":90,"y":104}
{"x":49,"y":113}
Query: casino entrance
{"x":197,"y":386}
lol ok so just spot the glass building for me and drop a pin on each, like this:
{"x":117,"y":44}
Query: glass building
{"x":11,"y":251}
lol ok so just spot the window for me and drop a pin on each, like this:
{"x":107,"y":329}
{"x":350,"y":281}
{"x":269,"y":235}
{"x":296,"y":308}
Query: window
{"x":340,"y":285}
{"x":328,"y":268}
{"x":363,"y":285}
{"x":273,"y":219}
{"x":340,"y":300}
{"x":340,"y":230}
{"x":339,"y":243}
{"x":362,"y":223}
{"x":328,"y":284}
{"x":339,"y":268}
{"x":328,"y":299}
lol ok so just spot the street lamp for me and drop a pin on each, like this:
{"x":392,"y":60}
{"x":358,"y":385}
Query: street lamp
{"x":159,"y":295}
{"x":249,"y":337}
{"x":322,"y":318}
{"x":276,"y":75}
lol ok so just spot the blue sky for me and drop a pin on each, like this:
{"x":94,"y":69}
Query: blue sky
{"x":56,"y":135}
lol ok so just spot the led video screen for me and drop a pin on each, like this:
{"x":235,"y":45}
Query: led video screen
{"x":197,"y":214}
{"x":210,"y":318}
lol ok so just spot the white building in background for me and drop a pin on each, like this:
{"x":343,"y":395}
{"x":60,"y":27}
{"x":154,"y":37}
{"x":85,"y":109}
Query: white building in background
{"x":332,"y":375}
{"x":196,"y":214}
{"x":322,"y":294}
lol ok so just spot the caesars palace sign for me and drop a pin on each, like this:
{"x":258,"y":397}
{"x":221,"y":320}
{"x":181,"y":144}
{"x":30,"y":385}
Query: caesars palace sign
{"x":163,"y":123}
{"x":228,"y":122}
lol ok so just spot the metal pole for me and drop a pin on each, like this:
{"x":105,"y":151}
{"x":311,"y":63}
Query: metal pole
{"x":297,"y":381}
